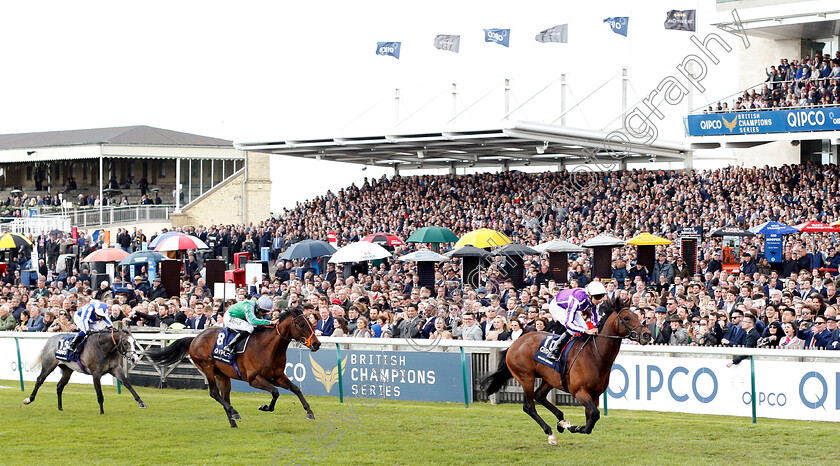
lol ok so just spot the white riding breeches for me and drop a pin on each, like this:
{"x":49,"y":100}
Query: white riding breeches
{"x":237,"y":324}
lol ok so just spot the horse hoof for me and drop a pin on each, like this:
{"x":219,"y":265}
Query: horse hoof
{"x":235,"y":417}
{"x":563,"y":425}
{"x":310,"y":416}
{"x":26,"y":401}
{"x":552,"y":439}
{"x":265,"y":408}
{"x":233,"y":426}
{"x":142,"y":405}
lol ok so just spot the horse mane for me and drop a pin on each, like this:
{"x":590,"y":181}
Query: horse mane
{"x":611,"y":306}
{"x":290,"y":312}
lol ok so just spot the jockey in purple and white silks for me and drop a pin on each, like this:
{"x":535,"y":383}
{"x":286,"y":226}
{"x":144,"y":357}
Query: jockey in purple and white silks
{"x":567,"y":308}
{"x":91,"y":317}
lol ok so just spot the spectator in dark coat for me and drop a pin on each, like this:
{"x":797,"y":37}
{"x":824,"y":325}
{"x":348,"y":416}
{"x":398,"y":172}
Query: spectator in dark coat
{"x":751,"y":339}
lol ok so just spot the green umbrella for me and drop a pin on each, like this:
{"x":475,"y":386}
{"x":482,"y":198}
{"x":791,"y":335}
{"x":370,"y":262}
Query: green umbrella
{"x":432,"y":235}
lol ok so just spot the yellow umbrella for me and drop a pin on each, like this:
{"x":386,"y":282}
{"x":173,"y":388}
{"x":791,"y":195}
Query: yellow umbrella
{"x":13,"y":241}
{"x":647,"y":239}
{"x":483,"y":238}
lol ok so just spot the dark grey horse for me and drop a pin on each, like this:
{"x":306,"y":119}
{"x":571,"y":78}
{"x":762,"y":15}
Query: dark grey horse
{"x":100,"y":355}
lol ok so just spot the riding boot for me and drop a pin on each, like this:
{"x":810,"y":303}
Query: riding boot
{"x":73,"y":344}
{"x":558,"y":345}
{"x":230,"y":347}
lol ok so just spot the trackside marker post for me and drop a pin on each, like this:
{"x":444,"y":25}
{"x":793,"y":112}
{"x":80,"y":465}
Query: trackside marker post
{"x":464,"y":371}
{"x":605,"y":402}
{"x":20,"y":366}
{"x":340,"y":378}
{"x":752,"y":381}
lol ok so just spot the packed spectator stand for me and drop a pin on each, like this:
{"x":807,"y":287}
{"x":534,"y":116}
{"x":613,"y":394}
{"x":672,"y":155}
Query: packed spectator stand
{"x":809,"y":82}
{"x":791,"y":304}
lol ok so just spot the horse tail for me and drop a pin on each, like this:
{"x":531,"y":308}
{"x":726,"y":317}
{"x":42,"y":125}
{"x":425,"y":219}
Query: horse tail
{"x":35,"y":363}
{"x":173,"y":353}
{"x":495,"y":381}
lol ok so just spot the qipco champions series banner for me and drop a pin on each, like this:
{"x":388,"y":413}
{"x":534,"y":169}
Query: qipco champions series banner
{"x":784,"y":390}
{"x":766,"y":121}
{"x":395,"y":375}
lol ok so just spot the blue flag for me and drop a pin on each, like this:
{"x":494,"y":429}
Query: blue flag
{"x":388,"y":49}
{"x":619,"y":24}
{"x":499,"y":36}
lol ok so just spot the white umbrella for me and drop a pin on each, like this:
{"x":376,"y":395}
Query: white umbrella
{"x":359,"y":252}
{"x":424,"y":255}
{"x":558,"y":245}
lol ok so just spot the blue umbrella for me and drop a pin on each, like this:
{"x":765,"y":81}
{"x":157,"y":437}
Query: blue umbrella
{"x":308,"y":249}
{"x":773,"y":228}
{"x":143,"y":257}
{"x":162,"y":237}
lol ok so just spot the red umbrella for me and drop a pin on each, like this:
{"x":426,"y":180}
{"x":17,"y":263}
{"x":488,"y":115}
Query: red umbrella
{"x":180,"y":243}
{"x":383,"y":239}
{"x":106,"y":255}
{"x":813,"y":226}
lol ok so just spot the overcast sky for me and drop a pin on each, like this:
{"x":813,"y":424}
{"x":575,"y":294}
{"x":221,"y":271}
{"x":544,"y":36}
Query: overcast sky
{"x":250,"y":71}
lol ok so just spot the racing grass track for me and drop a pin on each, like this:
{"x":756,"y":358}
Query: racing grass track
{"x":188,"y":427}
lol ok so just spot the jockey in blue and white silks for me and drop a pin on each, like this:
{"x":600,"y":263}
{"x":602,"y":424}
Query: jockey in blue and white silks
{"x":567,"y":308}
{"x":91,"y":317}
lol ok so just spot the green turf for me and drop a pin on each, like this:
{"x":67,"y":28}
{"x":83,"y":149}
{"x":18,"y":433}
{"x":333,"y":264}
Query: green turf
{"x":187,"y":427}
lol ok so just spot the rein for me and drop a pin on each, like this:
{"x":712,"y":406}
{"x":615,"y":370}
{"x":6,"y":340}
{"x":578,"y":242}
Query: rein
{"x":631,"y":332}
{"x":123,"y":353}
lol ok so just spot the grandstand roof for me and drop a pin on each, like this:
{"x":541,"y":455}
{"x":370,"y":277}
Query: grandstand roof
{"x":522,"y":143}
{"x":793,"y":20}
{"x":126,"y":135}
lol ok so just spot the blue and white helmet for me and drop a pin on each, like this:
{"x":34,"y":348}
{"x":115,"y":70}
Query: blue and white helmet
{"x":265,"y":303}
{"x":100,"y":309}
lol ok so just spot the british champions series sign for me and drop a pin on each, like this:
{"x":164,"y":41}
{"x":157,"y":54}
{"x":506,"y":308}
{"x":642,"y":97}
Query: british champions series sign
{"x":767,"y":121}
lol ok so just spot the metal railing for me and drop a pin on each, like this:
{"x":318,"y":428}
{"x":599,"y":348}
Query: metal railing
{"x":93,"y":216}
{"x":733,"y":98}
{"x":33,"y":225}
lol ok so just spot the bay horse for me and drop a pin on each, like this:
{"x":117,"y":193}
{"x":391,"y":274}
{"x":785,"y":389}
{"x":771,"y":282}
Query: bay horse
{"x":100,"y":355}
{"x":588,"y":369}
{"x":262,"y":364}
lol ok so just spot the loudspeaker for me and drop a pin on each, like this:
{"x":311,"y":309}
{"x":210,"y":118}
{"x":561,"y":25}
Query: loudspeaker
{"x":97,"y":278}
{"x":97,"y":267}
{"x":214,"y":272}
{"x":69,"y":265}
{"x":646,"y":255}
{"x":516,"y":268}
{"x":558,"y":262}
{"x":426,"y":272}
{"x":226,"y":255}
{"x":470,"y":271}
{"x":602,"y":262}
{"x":264,"y":266}
{"x":170,"y":276}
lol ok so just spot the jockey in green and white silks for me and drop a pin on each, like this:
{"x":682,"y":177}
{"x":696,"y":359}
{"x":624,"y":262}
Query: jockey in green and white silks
{"x":242,"y":317}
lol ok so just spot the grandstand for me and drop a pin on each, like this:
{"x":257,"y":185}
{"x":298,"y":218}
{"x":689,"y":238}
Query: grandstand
{"x":786,"y":108}
{"x":133,"y":165}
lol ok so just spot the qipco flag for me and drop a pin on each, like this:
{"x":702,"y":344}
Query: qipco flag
{"x":499,"y":36}
{"x":388,"y":49}
{"x":618,"y":24}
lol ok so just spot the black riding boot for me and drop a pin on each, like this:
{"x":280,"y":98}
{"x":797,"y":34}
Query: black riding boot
{"x":73,"y":344}
{"x":232,"y":345}
{"x":558,"y":345}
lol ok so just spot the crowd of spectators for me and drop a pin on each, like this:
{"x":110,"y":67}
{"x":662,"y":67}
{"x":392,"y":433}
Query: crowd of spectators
{"x":789,"y":304}
{"x":810,"y":82}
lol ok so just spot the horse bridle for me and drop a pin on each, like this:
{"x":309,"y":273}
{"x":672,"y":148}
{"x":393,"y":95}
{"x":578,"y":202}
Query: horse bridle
{"x":127,"y":354}
{"x":304,"y":341}
{"x":631,"y":332}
